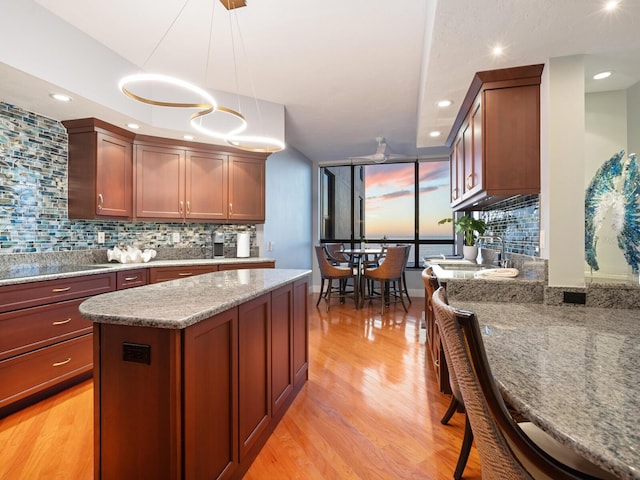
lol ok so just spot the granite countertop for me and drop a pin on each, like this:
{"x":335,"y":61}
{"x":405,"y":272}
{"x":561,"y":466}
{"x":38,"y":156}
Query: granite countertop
{"x":31,"y":272}
{"x":176,"y":304}
{"x":573,"y":371}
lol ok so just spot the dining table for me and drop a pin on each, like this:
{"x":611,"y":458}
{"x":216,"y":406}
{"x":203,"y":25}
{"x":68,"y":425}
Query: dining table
{"x":360,"y":256}
{"x":574,"y":371}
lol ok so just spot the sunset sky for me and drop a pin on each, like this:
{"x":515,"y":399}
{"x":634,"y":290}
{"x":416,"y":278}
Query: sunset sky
{"x":389,"y":207}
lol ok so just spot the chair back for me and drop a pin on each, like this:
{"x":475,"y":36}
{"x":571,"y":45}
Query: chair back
{"x":502,"y":446}
{"x":327,"y":269}
{"x":431,"y":284}
{"x":335,"y":254}
{"x":391,"y":265}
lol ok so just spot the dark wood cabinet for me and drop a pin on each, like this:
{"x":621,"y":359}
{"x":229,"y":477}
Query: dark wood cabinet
{"x":246,"y":189}
{"x":100,"y":170}
{"x":282,"y":321}
{"x":163,"y":274}
{"x":244,"y":265}
{"x":45,"y":344}
{"x":132,"y":278}
{"x":206,"y":186}
{"x":495,"y":140}
{"x":300,"y":332}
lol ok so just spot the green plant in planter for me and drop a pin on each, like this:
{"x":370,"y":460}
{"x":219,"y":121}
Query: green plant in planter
{"x":468,"y":226}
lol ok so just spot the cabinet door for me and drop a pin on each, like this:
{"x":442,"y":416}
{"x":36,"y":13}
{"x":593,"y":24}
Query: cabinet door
{"x":474,"y":181}
{"x":246,"y":189}
{"x":210,"y":397}
{"x":281,"y":347}
{"x":254,"y":368}
{"x":300,"y":331}
{"x":160,"y":182}
{"x":457,"y":171}
{"x":467,"y":160}
{"x":206,"y":186}
{"x":114,"y":169}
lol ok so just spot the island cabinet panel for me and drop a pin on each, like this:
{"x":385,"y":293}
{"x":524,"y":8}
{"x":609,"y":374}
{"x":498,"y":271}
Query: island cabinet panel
{"x":100,"y":170}
{"x":138,"y":402}
{"x":254,"y":368}
{"x":300,"y":332}
{"x":211,"y":397}
{"x":281,"y":348}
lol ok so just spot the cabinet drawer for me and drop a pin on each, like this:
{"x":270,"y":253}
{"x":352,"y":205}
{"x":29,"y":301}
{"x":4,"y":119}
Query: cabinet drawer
{"x":162,"y":274}
{"x":33,"y":294}
{"x":32,"y":372}
{"x":131,"y":278}
{"x":38,"y":327}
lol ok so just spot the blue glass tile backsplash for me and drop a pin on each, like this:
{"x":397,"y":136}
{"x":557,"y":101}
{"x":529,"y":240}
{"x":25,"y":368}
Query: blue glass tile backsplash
{"x":33,"y":197}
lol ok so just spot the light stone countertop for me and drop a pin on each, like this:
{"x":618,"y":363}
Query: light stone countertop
{"x":573,"y":371}
{"x":177,"y":304}
{"x":33,"y":272}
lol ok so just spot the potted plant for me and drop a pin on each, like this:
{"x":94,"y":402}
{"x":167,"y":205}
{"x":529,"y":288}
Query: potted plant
{"x":471,"y":228}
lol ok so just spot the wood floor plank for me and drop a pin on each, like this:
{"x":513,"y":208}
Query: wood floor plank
{"x":370,"y":411}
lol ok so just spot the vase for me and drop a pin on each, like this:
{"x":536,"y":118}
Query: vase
{"x":470,"y":252}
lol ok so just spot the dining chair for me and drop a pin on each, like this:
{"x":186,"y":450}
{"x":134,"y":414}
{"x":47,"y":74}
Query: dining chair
{"x":329,"y":273}
{"x":456,"y":404}
{"x":388,"y":273}
{"x":507,"y":450}
{"x":335,"y":254}
{"x":404,"y":272}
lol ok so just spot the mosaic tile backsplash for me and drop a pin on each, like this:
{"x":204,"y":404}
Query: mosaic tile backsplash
{"x":517,"y":221}
{"x":33,"y":198}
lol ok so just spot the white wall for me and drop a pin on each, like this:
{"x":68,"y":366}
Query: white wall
{"x":562,"y":200}
{"x":633,"y":118}
{"x":605,"y":135}
{"x":288,"y":210}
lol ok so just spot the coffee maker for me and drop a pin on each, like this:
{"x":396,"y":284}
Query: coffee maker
{"x":218,"y":245}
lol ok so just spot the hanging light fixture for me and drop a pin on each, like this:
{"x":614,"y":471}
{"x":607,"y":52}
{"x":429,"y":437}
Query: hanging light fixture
{"x":207,"y":106}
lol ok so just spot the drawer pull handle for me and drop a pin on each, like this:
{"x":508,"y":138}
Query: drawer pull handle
{"x":186,"y":274}
{"x":58,"y":290}
{"x":436,"y":363}
{"x":64,"y":362}
{"x":100,"y":201}
{"x":130,"y":279}
{"x":188,"y":207}
{"x":62,"y":322}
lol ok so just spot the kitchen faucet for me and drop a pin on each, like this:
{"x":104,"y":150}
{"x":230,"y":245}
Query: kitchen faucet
{"x":504,"y":263}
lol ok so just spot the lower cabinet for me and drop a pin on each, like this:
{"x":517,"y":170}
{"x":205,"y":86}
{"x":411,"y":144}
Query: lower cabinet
{"x":163,"y":274}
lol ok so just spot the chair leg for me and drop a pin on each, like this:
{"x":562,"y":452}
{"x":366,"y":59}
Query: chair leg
{"x":321,"y":292}
{"x":328,"y":296}
{"x":453,"y":406}
{"x":467,"y":441}
{"x":404,"y":285}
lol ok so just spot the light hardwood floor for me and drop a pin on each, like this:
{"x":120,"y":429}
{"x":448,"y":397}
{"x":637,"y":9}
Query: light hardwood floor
{"x":369,"y":411}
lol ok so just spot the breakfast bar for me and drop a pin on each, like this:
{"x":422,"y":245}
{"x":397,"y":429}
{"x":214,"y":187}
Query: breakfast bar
{"x":571,"y":370}
{"x":191,"y":376}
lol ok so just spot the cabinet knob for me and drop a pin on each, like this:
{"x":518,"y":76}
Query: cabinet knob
{"x":230,"y":207}
{"x":100,"y":201}
{"x":180,"y":207}
{"x":188,"y":207}
{"x":470,"y":181}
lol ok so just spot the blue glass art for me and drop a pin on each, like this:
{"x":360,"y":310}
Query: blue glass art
{"x":614,"y":191}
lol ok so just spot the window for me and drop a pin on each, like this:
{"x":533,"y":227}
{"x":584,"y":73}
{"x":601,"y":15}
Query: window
{"x":392,"y":203}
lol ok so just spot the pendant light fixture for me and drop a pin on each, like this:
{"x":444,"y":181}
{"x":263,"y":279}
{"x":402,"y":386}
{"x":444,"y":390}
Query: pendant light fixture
{"x":206,"y":107}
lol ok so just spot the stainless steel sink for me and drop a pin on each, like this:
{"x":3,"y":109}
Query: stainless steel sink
{"x":461,"y":266}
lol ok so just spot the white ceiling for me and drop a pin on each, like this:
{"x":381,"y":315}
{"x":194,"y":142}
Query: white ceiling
{"x":345,"y":71}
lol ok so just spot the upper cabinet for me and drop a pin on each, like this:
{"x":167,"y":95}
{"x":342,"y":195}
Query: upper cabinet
{"x":116,"y":174}
{"x":495,"y":140}
{"x":100,"y":170}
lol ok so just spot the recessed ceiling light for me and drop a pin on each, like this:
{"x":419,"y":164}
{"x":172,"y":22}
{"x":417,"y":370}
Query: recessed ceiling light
{"x":61,"y":97}
{"x":133,"y":126}
{"x":434,"y":134}
{"x":444,"y":103}
{"x":497,"y":50}
{"x":601,"y":75}
{"x":611,"y":5}
{"x":188,"y":137}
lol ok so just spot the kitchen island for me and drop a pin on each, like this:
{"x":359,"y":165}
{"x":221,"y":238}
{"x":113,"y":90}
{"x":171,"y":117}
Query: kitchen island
{"x":191,"y":376}
{"x":571,"y":370}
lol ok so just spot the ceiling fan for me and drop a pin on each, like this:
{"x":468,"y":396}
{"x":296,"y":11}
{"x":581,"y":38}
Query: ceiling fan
{"x":382,"y":153}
